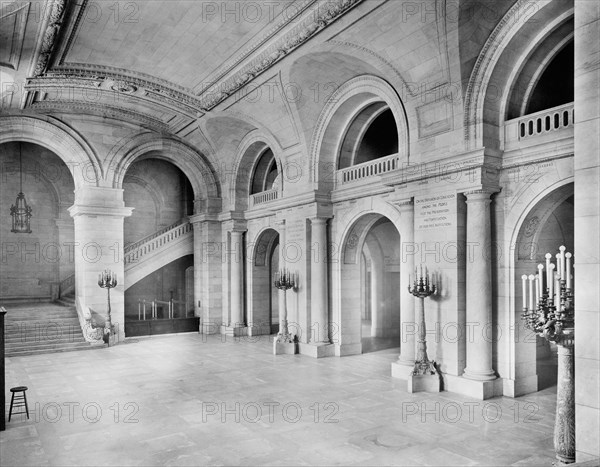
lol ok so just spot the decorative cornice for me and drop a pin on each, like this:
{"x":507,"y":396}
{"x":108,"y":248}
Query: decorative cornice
{"x":50,"y":36}
{"x":103,"y":109}
{"x":111,"y":81}
{"x":308,"y":28}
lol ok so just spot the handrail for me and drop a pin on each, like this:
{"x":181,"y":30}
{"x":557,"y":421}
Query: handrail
{"x":146,"y":239}
{"x":65,"y":284}
{"x":133,"y":255}
{"x":368,"y":169}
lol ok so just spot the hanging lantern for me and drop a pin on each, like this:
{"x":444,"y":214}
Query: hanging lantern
{"x":20,"y":211}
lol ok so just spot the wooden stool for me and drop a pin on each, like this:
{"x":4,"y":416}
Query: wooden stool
{"x":18,"y":399}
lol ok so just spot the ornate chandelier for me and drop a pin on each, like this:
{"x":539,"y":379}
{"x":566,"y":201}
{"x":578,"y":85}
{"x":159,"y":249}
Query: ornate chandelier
{"x":20,"y":211}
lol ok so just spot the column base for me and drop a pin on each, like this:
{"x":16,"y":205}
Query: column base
{"x":234,"y":331}
{"x":520,"y":387}
{"x":476,"y":389}
{"x":317,"y":350}
{"x":284,"y":348}
{"x":259,"y":330}
{"x":424,"y":383}
{"x":342,"y":350}
{"x":402,"y":369}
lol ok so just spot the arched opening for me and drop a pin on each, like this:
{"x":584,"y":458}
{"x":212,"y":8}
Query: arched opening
{"x":548,"y":225}
{"x":263,"y":313}
{"x":370,"y":278}
{"x":36,"y":266}
{"x":373,"y":134}
{"x":162,"y":198}
{"x":264,"y":176}
{"x":556,"y":85}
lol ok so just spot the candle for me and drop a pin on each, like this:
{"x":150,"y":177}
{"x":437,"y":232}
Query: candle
{"x":562,"y":262}
{"x":557,"y":296}
{"x":550,"y":280}
{"x":559,"y":266}
{"x":531,"y":278}
{"x":548,"y":274}
{"x":540,"y":281}
{"x":537,"y":290}
{"x":524,"y":279}
{"x":568,"y":271}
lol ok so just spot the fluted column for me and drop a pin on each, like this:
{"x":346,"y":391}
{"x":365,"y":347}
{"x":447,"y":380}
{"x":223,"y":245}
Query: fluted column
{"x":237,"y":279}
{"x":479,"y":287}
{"x":408,"y":327}
{"x":318,"y":285}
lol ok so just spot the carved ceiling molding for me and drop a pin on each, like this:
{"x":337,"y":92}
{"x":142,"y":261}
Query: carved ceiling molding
{"x":221,"y":71}
{"x":120,"y":84}
{"x":315,"y":23}
{"x":55,"y":17}
{"x":119,"y":113}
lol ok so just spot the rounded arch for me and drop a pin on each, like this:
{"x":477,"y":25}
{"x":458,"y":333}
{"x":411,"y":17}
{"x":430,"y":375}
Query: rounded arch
{"x":248,"y":153}
{"x":518,"y":33}
{"x":338,"y":113}
{"x":263,"y":306}
{"x":65,"y":142}
{"x":188,"y":160}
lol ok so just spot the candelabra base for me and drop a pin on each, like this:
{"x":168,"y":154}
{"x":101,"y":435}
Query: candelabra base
{"x":280,"y":347}
{"x":424,"y":383}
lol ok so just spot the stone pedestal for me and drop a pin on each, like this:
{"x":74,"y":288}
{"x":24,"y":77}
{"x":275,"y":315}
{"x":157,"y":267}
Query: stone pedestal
{"x":284,"y":348}
{"x":425,"y":383}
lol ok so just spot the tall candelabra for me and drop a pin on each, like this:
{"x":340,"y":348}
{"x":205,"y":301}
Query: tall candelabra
{"x":285,"y":280}
{"x":549,"y":311}
{"x":422,"y":288}
{"x":108,"y":280}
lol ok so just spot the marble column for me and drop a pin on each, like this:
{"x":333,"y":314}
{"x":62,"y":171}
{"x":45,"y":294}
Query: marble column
{"x":98,"y":215}
{"x":318,"y":283}
{"x":236,"y":262}
{"x":403,"y":367}
{"x":479,"y":287}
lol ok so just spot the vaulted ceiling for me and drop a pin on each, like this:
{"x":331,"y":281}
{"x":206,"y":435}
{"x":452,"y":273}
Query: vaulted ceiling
{"x":161,"y":64}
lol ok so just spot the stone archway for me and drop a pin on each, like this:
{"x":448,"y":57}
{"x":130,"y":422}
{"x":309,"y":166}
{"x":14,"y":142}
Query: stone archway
{"x":263,"y":304}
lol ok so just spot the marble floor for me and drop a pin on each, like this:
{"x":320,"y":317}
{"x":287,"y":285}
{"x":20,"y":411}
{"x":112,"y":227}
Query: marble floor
{"x":195,"y":400}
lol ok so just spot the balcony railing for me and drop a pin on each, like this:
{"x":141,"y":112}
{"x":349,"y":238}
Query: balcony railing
{"x":368,"y":169}
{"x":540,"y":123}
{"x":264,"y":197}
{"x":136,"y":251}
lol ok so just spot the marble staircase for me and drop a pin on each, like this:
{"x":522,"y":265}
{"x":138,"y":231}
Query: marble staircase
{"x":39,"y":328}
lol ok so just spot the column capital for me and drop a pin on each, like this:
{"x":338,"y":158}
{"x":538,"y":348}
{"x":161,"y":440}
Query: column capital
{"x":479,"y":194}
{"x":199,"y":219}
{"x":319,"y":220}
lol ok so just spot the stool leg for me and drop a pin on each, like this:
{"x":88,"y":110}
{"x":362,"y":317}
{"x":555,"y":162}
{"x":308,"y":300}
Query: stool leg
{"x":12,"y":399}
{"x":26,"y":408}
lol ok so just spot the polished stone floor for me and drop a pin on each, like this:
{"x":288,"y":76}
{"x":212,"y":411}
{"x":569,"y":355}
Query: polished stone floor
{"x":194,"y":400}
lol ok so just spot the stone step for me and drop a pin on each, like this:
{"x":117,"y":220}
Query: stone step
{"x":43,"y":328}
{"x":41,"y":351}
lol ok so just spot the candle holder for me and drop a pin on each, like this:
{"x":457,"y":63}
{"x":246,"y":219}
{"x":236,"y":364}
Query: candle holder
{"x":108,"y":280}
{"x":421,"y":288}
{"x":550,"y":313}
{"x":285,"y":280}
